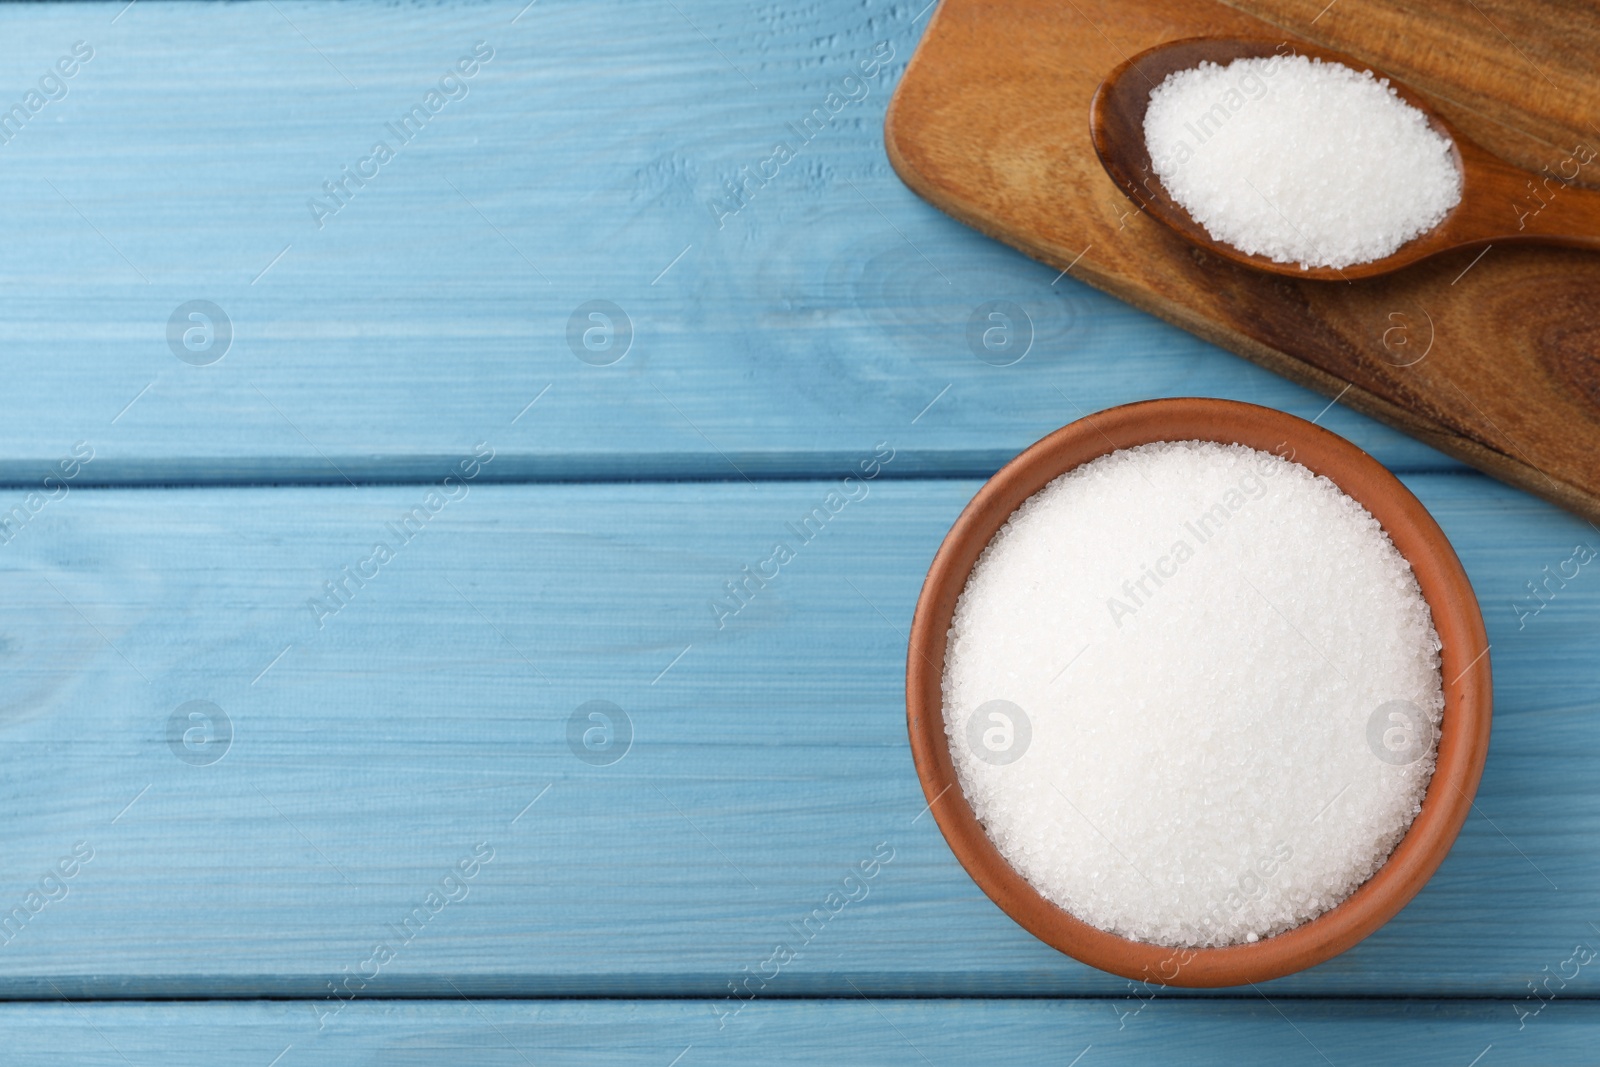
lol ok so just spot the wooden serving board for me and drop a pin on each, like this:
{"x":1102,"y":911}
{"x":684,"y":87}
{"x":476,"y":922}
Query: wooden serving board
{"x":1494,"y":360}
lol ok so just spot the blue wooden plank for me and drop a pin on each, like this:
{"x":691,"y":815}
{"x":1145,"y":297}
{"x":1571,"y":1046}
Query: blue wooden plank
{"x":830,"y":310}
{"x":1090,"y":1033}
{"x":375,"y":742}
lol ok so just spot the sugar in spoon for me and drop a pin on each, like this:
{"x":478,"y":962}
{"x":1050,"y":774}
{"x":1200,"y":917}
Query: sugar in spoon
{"x":1500,"y":202}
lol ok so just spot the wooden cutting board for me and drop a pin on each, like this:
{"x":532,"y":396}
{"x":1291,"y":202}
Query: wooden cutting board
{"x":1492,"y":359}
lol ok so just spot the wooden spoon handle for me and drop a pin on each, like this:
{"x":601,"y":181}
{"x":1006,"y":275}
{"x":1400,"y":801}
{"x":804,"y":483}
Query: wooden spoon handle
{"x":1546,"y":206}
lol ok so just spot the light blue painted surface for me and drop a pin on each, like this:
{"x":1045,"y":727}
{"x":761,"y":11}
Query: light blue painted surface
{"x":825,"y":315}
{"x":769,"y":756}
{"x":372,"y":753}
{"x":898,"y":1033}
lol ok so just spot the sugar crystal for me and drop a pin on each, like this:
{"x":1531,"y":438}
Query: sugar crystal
{"x":1299,"y":160}
{"x":1193,"y":693}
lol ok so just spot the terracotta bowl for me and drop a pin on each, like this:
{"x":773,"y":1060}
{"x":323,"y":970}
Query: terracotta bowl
{"x":1463,"y":738}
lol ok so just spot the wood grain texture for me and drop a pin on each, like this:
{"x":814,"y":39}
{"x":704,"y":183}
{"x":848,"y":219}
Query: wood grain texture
{"x":828,"y":312}
{"x":1515,"y":74}
{"x":889,"y":1032}
{"x":769,"y":757}
{"x":990,"y":124}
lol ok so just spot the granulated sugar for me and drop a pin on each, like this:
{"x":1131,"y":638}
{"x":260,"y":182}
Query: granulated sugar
{"x":1299,"y":160}
{"x":1193,"y":693}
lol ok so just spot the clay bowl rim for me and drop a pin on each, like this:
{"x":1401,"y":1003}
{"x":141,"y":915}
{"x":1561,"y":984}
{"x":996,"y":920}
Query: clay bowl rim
{"x":1464,"y":734}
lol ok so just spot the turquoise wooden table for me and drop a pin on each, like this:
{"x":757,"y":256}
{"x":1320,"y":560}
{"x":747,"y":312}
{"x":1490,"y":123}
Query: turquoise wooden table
{"x":394,"y":395}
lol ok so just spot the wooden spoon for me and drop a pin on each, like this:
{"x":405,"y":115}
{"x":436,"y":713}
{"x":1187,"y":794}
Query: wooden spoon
{"x":1500,"y":202}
